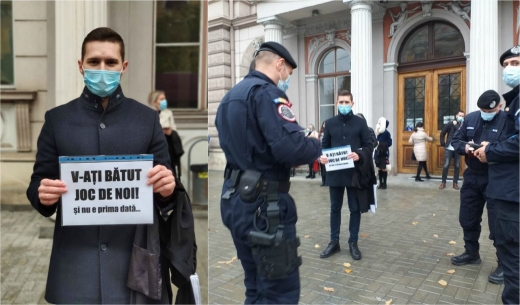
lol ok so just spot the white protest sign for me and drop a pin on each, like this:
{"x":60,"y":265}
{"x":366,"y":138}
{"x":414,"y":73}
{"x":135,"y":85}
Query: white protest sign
{"x":338,"y":158}
{"x":106,"y":190}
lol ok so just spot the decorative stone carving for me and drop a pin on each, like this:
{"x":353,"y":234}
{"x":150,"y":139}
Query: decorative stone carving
{"x":329,"y":38}
{"x":331,"y":35}
{"x":397,"y":20}
{"x":426,"y":8}
{"x":458,"y":8}
{"x":321,"y":27}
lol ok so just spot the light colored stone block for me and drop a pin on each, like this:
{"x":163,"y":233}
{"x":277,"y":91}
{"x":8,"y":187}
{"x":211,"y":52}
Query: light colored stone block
{"x":217,"y":35}
{"x":219,"y":71}
{"x":219,"y":83}
{"x":38,"y":107}
{"x":212,"y":109}
{"x":218,"y":9}
{"x":219,"y":46}
{"x":212,"y":131}
{"x":30,"y":10}
{"x":217,"y":159}
{"x":30,"y":38}
{"x":243,"y":45}
{"x":241,"y":9}
{"x":215,"y":96}
{"x":256,"y":31}
{"x":31,"y":73}
{"x":219,"y":59}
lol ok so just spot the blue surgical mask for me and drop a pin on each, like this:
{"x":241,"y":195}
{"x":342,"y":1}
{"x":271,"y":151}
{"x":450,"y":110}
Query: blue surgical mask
{"x":487,"y":116}
{"x":163,"y":104}
{"x":460,"y":119}
{"x":511,"y":76}
{"x":102,"y":82}
{"x":283,"y":85}
{"x":344,"y":109}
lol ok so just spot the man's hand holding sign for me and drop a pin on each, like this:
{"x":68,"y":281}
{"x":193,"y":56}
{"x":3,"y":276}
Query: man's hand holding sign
{"x":338,"y":158}
{"x":160,"y":176}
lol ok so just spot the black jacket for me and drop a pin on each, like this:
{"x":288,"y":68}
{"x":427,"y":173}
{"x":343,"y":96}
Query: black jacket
{"x":364,"y":179}
{"x":80,"y":271}
{"x":343,"y":130}
{"x":449,"y":130}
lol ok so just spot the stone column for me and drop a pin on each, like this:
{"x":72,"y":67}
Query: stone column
{"x":361,"y":56}
{"x":273,"y":29}
{"x":484,"y":50}
{"x":73,"y":21}
{"x":219,"y":83}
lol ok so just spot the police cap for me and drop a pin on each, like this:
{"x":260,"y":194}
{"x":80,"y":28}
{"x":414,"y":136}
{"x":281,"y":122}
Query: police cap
{"x":513,"y":52}
{"x":488,"y":100}
{"x":279,"y":50}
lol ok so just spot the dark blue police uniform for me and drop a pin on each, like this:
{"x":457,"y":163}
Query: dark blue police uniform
{"x":473,"y":192}
{"x":502,"y":190}
{"x":258,"y":131}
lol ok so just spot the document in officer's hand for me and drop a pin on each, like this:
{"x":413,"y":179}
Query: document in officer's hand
{"x":338,"y":158}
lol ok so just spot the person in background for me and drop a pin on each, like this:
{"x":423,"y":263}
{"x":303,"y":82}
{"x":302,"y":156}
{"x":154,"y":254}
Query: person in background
{"x":311,"y":132}
{"x":382,"y":153}
{"x":449,"y":130}
{"x":418,"y":139}
{"x":157,"y":99}
{"x":322,"y":166}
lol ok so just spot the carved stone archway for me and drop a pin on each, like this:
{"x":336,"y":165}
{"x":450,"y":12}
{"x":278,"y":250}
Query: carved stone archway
{"x":413,"y":22}
{"x":247,"y":57}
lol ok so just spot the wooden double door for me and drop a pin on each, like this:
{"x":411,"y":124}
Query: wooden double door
{"x":432,"y":97}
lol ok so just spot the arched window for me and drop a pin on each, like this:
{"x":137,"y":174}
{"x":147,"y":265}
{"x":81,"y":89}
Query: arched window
{"x":433,"y":45}
{"x":333,"y":76}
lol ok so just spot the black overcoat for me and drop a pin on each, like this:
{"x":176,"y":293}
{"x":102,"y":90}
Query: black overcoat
{"x":89,"y":264}
{"x":343,"y":130}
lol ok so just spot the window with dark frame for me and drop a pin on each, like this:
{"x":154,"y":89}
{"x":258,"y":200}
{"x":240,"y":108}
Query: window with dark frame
{"x":333,"y":76}
{"x":178,"y":51}
{"x":6,"y":36}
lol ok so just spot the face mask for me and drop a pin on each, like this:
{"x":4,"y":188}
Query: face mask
{"x":487,"y":116}
{"x":307,"y":130}
{"x":102,"y":82}
{"x":283,"y":85}
{"x":460,"y":119}
{"x":163,"y":104}
{"x":344,"y":109}
{"x":511,"y":76}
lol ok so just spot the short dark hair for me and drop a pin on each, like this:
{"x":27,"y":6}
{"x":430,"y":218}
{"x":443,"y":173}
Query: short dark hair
{"x":104,"y":34}
{"x":344,"y":92}
{"x":418,"y":125}
{"x":461,"y":111}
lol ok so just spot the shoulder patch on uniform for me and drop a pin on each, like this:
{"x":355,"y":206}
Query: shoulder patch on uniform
{"x":281,"y":100}
{"x":286,"y":113}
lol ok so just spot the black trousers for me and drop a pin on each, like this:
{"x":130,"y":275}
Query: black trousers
{"x":506,"y":242}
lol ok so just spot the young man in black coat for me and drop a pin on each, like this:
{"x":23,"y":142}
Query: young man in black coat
{"x":447,"y":132}
{"x":344,"y":129}
{"x":90,"y":264}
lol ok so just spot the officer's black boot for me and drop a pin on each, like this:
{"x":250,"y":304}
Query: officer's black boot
{"x":466,"y":258}
{"x":380,"y":174}
{"x":497,"y":276}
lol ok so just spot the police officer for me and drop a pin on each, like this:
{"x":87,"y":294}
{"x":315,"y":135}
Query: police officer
{"x":502,"y":188}
{"x":487,"y":124}
{"x":261,"y":140}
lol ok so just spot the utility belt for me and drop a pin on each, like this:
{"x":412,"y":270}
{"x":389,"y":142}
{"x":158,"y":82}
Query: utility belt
{"x":478,"y":172}
{"x":277,"y":255}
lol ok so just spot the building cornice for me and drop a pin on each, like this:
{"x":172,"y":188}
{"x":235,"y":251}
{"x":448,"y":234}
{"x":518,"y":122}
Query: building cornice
{"x":219,"y":23}
{"x":245,"y":22}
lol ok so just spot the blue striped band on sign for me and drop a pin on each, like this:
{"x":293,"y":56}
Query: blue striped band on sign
{"x":102,"y":158}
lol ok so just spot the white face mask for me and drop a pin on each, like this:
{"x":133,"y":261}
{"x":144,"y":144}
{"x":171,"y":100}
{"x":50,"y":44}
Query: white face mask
{"x":511,"y":76}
